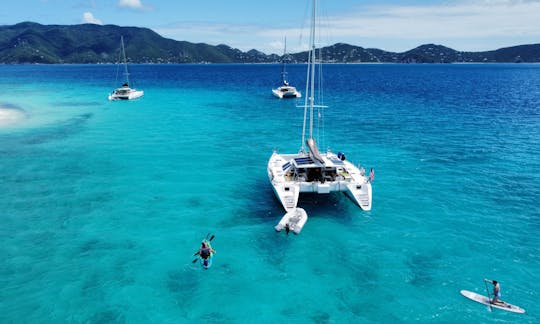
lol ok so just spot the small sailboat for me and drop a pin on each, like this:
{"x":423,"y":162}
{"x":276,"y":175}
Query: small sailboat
{"x":285,"y":90}
{"x":125,"y":92}
{"x":310,"y":171}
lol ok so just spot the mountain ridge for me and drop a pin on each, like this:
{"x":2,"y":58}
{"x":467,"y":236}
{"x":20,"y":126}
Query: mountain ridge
{"x":30,"y":42}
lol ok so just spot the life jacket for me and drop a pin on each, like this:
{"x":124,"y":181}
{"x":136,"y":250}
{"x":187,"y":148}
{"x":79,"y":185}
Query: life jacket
{"x":205,"y":253}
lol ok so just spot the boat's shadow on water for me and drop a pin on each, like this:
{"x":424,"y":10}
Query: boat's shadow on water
{"x":333,"y":205}
{"x":265,"y":208}
{"x":259,"y":215}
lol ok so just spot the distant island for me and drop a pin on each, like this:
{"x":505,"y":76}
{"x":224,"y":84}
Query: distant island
{"x":30,"y":42}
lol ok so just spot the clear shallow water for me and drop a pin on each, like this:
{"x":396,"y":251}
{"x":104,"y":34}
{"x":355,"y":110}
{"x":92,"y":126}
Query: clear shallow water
{"x":104,"y":203}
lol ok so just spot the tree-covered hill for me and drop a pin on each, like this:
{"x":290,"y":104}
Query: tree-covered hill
{"x":30,"y":42}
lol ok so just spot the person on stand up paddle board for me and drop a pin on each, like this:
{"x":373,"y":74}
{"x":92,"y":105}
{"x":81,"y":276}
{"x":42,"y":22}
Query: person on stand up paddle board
{"x":496,"y":292}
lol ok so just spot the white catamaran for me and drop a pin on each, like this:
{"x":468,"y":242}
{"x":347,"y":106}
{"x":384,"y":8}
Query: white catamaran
{"x":285,"y":90}
{"x":125,"y":92}
{"x":311,"y":171}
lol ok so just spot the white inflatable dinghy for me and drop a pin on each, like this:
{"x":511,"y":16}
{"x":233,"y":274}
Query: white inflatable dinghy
{"x":296,"y":219}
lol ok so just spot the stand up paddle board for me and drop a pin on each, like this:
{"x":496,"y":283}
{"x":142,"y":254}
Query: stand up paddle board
{"x":486,"y":301}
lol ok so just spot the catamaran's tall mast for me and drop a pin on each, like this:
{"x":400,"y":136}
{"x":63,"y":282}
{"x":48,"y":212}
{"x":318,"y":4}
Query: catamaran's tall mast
{"x":283,"y":72}
{"x":125,"y":60}
{"x":313,"y":58}
{"x":310,"y":79}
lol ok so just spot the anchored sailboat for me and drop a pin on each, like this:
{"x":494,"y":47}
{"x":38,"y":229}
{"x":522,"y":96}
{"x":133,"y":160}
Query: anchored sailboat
{"x":285,"y":90}
{"x":312,"y":171}
{"x":125,"y":92}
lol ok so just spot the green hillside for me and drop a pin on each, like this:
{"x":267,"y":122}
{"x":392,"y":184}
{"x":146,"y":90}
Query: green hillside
{"x":30,"y":42}
{"x":88,"y":43}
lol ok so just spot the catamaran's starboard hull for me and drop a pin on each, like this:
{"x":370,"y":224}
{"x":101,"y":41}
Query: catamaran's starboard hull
{"x":292,"y":174}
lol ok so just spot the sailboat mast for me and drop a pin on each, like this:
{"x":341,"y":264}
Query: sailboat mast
{"x":125,"y":60}
{"x":313,"y":58}
{"x":283,"y":72}
{"x":310,"y":80}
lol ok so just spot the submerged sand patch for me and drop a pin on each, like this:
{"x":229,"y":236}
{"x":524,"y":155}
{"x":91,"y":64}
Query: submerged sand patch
{"x":10,"y":115}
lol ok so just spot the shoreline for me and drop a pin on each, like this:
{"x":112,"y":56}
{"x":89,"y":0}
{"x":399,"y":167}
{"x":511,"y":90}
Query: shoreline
{"x":279,"y":63}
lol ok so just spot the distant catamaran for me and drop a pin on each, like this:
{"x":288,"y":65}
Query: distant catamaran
{"x":312,"y":171}
{"x":125,"y":92}
{"x":285,"y":90}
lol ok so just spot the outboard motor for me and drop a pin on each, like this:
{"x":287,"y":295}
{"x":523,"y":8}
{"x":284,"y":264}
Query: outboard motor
{"x":341,"y":156}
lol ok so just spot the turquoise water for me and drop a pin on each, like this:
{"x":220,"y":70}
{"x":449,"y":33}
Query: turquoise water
{"x":103,"y":203}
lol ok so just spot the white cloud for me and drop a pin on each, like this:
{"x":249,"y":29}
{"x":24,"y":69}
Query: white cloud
{"x":243,"y":37}
{"x":88,"y":18}
{"x":132,"y":4}
{"x":485,"y":21}
{"x":476,"y":25}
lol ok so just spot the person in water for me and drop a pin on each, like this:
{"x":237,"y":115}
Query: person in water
{"x":496,"y":293}
{"x":205,"y":251}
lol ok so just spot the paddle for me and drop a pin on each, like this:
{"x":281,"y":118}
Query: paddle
{"x":197,"y":253}
{"x":489,"y":296}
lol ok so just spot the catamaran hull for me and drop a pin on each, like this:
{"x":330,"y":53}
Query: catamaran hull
{"x":288,"y":193}
{"x":286,"y":92}
{"x":347,"y":179}
{"x":129,"y":96}
{"x":360,"y":194}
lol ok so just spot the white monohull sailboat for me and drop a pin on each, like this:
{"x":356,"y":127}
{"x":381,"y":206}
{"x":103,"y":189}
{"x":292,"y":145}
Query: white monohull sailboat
{"x":310,"y":171}
{"x":125,"y":92}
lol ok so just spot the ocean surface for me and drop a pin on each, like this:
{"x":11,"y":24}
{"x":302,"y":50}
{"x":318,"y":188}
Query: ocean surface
{"x":103,"y":204}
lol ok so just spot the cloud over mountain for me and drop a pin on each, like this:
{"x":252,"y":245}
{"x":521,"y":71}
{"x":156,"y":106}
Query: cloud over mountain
{"x":88,"y":18}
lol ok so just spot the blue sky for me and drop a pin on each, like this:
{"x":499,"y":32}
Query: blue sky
{"x":394,"y":25}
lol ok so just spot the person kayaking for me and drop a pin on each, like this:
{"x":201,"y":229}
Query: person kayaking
{"x":206,"y":250}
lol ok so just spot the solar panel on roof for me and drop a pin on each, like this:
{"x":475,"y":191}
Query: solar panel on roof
{"x":286,"y":166}
{"x":301,"y":161}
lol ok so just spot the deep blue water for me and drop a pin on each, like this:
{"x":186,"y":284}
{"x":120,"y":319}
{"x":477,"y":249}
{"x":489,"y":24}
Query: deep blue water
{"x":103,"y":203}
